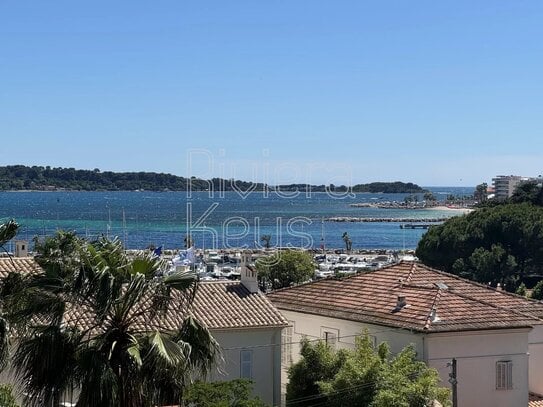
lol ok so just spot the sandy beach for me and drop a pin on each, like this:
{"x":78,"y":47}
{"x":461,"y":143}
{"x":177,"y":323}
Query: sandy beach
{"x":449,"y":209}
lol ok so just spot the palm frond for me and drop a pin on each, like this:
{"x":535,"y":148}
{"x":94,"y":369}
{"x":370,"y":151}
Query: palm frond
{"x":98,"y":382}
{"x":146,"y":263}
{"x":44,"y":364}
{"x":205,"y":351}
{"x":171,"y":352}
{"x":4,"y":342}
{"x":181,"y":280}
{"x":8,"y":230}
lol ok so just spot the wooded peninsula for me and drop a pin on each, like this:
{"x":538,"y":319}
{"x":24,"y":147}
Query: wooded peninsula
{"x":39,"y":178}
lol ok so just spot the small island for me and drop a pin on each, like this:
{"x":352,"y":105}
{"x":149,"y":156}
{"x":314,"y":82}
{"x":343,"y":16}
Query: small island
{"x":40,"y":178}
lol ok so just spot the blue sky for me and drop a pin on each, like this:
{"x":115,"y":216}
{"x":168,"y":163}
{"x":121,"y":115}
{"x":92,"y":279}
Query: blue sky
{"x":433,"y":92}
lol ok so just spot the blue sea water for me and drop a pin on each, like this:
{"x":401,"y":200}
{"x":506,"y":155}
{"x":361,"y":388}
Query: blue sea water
{"x":232,"y":220}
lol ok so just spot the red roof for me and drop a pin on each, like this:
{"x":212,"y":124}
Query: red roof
{"x":435,"y":301}
{"x":229,"y":305}
{"x":535,"y":401}
{"x":220,"y":305}
{"x":23,"y":265}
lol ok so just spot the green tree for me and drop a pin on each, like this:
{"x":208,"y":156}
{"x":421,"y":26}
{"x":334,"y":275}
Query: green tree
{"x":189,"y":242}
{"x":235,"y":393}
{"x":6,"y":396}
{"x":98,"y":326}
{"x":537,"y":291}
{"x":318,"y":364}
{"x":429,"y":197}
{"x":266,"y":239}
{"x":501,"y":244}
{"x":521,"y":290}
{"x":348,"y":242}
{"x":362,"y":377}
{"x":480,"y":194}
{"x":526,"y":192}
{"x":285,"y":268}
{"x":8,"y":230}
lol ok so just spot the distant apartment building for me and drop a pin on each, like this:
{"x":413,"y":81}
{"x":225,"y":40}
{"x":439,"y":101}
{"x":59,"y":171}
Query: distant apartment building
{"x":505,"y":185}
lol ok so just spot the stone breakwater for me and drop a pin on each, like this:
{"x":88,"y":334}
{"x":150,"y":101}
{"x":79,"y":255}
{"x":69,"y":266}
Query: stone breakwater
{"x":384,"y":220}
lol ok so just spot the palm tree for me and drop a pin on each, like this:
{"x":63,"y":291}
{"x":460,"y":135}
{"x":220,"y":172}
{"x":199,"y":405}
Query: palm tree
{"x":109,"y":325}
{"x":266,"y":239}
{"x":8,"y":230}
{"x":348,"y":242}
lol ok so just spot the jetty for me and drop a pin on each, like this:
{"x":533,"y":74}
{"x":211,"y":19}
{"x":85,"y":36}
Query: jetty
{"x":385,"y":220}
{"x":416,"y":225}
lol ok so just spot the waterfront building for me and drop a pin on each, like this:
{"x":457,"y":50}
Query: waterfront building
{"x":505,"y":185}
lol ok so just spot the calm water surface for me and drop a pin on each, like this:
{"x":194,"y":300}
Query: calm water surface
{"x":162,"y":218}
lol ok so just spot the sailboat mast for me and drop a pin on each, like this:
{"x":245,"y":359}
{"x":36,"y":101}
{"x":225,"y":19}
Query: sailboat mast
{"x":323,"y":247}
{"x":124,"y":229}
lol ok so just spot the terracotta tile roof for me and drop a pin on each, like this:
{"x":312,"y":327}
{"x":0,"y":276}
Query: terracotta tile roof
{"x":436,"y":301}
{"x":221,"y":305}
{"x":228,"y":305}
{"x":24,"y":265}
{"x":535,"y":401}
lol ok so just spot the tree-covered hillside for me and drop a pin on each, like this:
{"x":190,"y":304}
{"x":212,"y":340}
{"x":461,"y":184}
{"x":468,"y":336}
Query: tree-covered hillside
{"x":21,"y":177}
{"x":496,"y":245}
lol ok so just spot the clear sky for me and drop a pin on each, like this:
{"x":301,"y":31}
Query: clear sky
{"x":433,"y":92}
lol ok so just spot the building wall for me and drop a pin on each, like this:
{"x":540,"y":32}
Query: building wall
{"x":535,"y":347}
{"x":313,"y":326}
{"x":505,"y":185}
{"x":477,"y":354}
{"x":265,"y":345}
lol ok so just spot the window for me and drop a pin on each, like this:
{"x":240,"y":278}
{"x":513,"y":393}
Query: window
{"x":246,"y":364}
{"x":504,"y":375}
{"x":286,"y":351}
{"x":330,"y":336}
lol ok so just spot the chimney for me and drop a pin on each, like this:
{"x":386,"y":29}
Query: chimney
{"x":401,"y":301}
{"x":21,"y":248}
{"x":248,"y":273}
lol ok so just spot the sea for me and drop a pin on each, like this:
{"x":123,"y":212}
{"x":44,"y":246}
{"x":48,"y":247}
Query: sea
{"x":219,"y":220}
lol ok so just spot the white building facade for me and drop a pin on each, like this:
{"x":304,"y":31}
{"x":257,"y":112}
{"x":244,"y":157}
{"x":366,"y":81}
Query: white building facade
{"x":498,"y":352}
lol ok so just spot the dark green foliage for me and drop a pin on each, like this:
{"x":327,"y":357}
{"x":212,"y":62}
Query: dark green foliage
{"x":537,"y":292}
{"x":114,"y":358}
{"x":362,"y":377}
{"x":266,"y":239}
{"x":348,"y":242}
{"x":235,"y":393}
{"x":6,"y":396}
{"x":285,"y":268}
{"x":480,"y":194}
{"x":428,"y":196}
{"x":389,"y":187}
{"x":531,"y":192}
{"x":521,"y":290}
{"x":318,"y":364}
{"x":501,"y":244}
{"x":8,"y":230}
{"x":21,"y":177}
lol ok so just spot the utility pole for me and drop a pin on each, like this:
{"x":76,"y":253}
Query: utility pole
{"x":453,"y":381}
